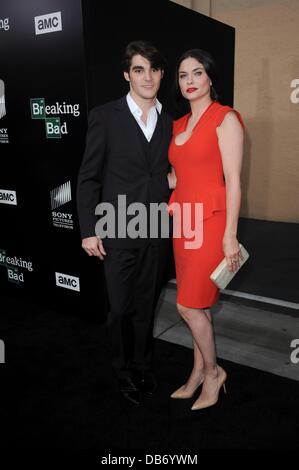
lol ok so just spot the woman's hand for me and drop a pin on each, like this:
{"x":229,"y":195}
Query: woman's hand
{"x":171,"y":179}
{"x":232,"y":252}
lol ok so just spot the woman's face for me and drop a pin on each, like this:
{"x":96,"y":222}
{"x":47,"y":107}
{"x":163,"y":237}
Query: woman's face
{"x":193,"y":79}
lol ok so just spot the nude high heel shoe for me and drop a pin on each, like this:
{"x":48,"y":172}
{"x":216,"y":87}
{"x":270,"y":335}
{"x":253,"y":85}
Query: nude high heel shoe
{"x":205,"y":403}
{"x":181,"y":393}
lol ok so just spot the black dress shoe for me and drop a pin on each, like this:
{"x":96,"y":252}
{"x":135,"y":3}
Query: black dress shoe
{"x":146,"y":382}
{"x":129,"y":391}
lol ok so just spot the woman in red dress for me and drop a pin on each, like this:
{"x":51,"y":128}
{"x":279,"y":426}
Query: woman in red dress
{"x":206,"y":157}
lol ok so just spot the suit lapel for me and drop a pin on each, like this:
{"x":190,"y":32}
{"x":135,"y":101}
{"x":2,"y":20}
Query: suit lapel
{"x":159,"y":148}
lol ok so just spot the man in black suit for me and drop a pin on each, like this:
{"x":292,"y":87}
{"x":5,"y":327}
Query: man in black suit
{"x":126,"y":154}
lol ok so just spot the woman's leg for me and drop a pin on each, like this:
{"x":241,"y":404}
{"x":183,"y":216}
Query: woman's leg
{"x":197,"y":374}
{"x":201,"y":328}
{"x":200,"y":324}
{"x":208,"y":314}
{"x":196,"y":377}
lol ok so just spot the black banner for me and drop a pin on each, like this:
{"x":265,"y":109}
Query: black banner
{"x":57,"y":61}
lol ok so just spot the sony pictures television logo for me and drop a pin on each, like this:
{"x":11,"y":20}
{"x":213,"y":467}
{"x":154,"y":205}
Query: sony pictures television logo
{"x":50,"y":23}
{"x":60,"y":196}
{"x":2,"y":99}
{"x":3,"y":130}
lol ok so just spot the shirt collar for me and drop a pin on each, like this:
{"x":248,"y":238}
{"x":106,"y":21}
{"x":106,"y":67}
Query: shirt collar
{"x":135,"y":109}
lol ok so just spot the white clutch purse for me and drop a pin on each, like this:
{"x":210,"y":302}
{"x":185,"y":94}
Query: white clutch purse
{"x":221,"y":276}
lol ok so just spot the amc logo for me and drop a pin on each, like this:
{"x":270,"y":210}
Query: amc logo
{"x":8,"y":197}
{"x":50,"y":23}
{"x":68,"y":282}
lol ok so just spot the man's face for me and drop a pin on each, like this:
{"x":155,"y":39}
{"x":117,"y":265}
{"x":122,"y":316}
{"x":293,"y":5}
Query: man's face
{"x":143,"y":78}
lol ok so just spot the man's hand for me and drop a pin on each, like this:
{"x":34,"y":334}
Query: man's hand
{"x":94,"y":247}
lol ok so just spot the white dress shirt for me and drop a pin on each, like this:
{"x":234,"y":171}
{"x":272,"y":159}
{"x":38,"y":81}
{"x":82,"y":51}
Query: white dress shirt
{"x":152,"y":117}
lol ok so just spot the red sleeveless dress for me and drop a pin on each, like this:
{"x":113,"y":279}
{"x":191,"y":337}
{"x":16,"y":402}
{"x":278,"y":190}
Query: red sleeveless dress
{"x":200,"y":179}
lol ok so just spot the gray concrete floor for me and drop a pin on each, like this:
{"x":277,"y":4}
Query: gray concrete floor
{"x":244,"y":334}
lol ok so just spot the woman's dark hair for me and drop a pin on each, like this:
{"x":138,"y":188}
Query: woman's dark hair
{"x":208,"y":62}
{"x":146,"y":50}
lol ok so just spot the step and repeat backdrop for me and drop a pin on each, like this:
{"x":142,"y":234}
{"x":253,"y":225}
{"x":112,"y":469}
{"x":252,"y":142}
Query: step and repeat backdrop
{"x":43,"y":118}
{"x":56,"y":63}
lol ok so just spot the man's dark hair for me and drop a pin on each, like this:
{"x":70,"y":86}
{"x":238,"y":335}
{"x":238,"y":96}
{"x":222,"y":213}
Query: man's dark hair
{"x":146,"y":50}
{"x":208,"y":62}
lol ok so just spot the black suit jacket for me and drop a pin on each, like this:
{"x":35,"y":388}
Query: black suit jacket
{"x":116,"y":162}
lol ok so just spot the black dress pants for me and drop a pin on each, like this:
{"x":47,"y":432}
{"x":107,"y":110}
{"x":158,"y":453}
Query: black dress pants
{"x":134,"y":278}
